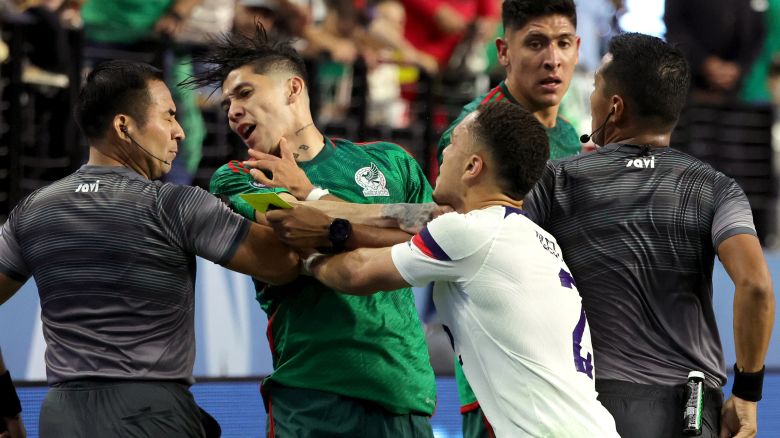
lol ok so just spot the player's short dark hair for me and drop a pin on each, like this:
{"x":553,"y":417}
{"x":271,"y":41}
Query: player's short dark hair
{"x":111,"y":88}
{"x":517,"y":13}
{"x":652,"y":74}
{"x":517,"y":142}
{"x":229,"y":52}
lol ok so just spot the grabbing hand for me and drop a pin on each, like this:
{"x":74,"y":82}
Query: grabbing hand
{"x":284,"y":171}
{"x":301,"y":227}
{"x":738,"y":418}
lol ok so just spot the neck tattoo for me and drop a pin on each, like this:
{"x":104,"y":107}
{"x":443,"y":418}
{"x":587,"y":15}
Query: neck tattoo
{"x":298,"y":132}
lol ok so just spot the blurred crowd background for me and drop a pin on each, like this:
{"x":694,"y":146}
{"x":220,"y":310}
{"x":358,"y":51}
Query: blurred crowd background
{"x":395,"y":70}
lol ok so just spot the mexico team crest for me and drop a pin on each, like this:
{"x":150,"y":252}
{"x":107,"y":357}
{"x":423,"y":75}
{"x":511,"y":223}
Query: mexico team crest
{"x":372,"y":180}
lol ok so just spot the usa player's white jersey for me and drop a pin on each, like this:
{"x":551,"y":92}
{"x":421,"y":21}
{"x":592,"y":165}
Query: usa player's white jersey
{"x":512,"y":310}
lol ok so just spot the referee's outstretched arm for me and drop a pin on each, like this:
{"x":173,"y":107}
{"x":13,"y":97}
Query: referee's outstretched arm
{"x":264,"y":257}
{"x":754,"y":314}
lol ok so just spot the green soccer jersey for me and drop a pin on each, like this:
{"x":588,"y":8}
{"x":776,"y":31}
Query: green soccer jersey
{"x":370,"y":348}
{"x":563,"y":138}
{"x":564,"y":142}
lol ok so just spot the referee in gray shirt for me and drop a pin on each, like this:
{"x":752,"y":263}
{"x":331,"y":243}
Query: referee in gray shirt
{"x":113,"y":255}
{"x":640,"y":225}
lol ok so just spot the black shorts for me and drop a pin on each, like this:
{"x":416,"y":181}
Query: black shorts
{"x":109,"y":409}
{"x":656,"y":411}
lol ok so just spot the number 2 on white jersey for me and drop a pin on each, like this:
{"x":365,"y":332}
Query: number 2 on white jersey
{"x":582,"y":364}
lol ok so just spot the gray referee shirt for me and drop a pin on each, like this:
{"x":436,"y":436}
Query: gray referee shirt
{"x":639,"y":228}
{"x":113,"y":256}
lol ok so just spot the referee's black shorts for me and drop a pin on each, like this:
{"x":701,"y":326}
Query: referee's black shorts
{"x":656,"y":411}
{"x":109,"y":409}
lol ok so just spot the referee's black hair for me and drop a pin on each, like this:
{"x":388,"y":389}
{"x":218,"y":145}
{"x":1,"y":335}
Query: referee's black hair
{"x":517,"y":13}
{"x":111,"y":88}
{"x":229,"y":52}
{"x":517,"y":143}
{"x":651,"y":73}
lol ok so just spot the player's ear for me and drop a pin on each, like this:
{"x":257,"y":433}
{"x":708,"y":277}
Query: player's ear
{"x":475,"y":165}
{"x":501,"y":50}
{"x":295,"y":88}
{"x":619,"y":108}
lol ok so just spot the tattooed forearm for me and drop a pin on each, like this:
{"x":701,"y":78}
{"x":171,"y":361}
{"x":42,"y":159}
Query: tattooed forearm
{"x":411,"y":217}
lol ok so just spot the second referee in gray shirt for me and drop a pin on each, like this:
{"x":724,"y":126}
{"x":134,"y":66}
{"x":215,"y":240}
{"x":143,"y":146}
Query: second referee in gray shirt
{"x":640,"y":225}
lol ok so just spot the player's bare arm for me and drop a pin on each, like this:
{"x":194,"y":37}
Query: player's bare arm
{"x":307,"y":227}
{"x":754,"y":315}
{"x":264,"y":257}
{"x":360,"y":272}
{"x":408,"y":217}
{"x":413,"y":217}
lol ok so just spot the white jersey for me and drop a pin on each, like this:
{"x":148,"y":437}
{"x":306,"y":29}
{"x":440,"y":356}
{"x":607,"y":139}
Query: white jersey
{"x":515,"y":317}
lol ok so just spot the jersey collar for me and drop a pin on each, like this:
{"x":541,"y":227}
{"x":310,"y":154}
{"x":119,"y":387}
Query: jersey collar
{"x":102,"y":170}
{"x":325,"y":153}
{"x":505,"y":90}
{"x":633,"y":148}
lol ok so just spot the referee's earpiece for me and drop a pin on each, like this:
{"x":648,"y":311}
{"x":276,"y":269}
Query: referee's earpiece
{"x":123,"y":128}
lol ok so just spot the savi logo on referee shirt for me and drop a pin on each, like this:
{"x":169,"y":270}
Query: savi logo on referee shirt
{"x":642,"y":163}
{"x":88,"y":187}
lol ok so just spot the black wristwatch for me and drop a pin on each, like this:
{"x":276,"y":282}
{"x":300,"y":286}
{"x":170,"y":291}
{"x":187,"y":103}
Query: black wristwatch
{"x":339,"y":232}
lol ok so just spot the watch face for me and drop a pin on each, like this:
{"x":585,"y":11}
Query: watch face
{"x":340,"y":229}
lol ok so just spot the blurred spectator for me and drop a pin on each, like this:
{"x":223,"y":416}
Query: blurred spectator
{"x":755,"y":88}
{"x":387,"y":28}
{"x":720,"y":38}
{"x":209,"y":18}
{"x":339,"y":34}
{"x":150,"y":26}
{"x":436,"y":27}
{"x":282,"y":19}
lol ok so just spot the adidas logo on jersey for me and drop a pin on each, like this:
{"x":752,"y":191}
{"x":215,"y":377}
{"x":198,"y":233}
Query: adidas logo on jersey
{"x":642,"y":163}
{"x":87,"y":187}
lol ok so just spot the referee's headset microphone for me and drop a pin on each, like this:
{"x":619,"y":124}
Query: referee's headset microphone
{"x":124,"y":129}
{"x":584,"y":138}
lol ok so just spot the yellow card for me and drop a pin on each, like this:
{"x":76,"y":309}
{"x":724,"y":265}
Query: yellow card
{"x":261,"y":201}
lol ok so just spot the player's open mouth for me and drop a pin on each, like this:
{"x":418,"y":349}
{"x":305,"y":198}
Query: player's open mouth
{"x":551,"y":81}
{"x":245,"y":131}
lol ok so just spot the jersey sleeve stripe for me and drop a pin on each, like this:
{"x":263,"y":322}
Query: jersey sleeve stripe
{"x":424,"y":241}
